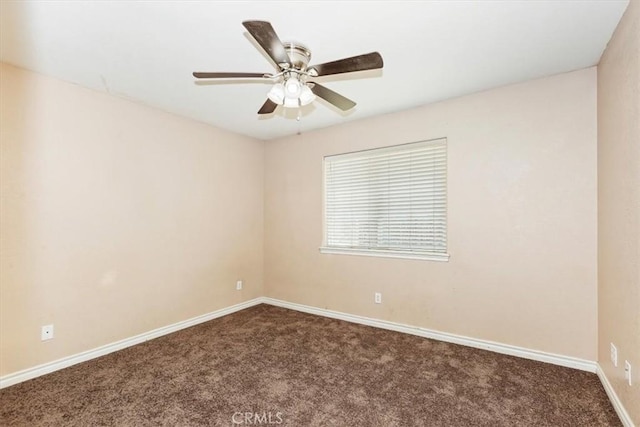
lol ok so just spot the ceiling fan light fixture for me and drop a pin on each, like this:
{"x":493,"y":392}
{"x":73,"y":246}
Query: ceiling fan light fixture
{"x":292,"y":93}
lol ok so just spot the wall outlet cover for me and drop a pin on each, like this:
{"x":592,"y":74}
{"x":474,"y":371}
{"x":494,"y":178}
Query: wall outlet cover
{"x":46,"y":333}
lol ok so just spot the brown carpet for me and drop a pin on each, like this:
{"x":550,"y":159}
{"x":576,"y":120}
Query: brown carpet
{"x":271,"y":366}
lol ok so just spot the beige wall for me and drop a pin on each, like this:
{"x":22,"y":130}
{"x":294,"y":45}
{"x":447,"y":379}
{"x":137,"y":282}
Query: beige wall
{"x":619,"y":207}
{"x":522,"y":219}
{"x":116,"y":218}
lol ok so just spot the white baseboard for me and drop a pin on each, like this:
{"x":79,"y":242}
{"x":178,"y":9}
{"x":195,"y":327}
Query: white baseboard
{"x":613,"y":397}
{"x":541,"y":356}
{"x":36,"y":371}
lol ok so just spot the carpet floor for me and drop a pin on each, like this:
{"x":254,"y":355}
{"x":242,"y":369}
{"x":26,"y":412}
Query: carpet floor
{"x":272,"y":366}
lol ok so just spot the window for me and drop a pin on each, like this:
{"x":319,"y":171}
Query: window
{"x":389,"y":201}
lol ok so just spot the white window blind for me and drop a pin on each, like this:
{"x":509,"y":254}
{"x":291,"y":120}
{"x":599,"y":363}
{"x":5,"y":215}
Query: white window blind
{"x":390,"y":201}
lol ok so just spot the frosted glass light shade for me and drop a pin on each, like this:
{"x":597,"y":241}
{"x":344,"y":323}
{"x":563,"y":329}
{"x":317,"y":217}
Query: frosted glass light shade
{"x":292,"y":87}
{"x":276,"y":94}
{"x":291,"y":102}
{"x":306,"y":95}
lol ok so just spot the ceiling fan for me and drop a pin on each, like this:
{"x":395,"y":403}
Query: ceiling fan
{"x":293,"y":88}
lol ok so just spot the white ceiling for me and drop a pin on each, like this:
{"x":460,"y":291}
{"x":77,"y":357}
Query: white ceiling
{"x":433,"y":50}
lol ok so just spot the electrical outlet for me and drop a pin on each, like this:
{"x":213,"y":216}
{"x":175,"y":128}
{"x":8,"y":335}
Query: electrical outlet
{"x":627,"y":371}
{"x":377,"y":298}
{"x":239,"y":285}
{"x":46,"y":333}
{"x":614,"y":355}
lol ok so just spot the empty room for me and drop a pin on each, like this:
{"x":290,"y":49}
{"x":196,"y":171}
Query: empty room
{"x":320,"y":213}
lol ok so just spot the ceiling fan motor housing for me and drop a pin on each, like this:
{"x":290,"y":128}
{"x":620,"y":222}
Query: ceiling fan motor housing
{"x":299,"y":55}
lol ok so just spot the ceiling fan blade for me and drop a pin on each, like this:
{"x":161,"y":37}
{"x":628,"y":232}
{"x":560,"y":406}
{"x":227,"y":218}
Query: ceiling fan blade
{"x":204,"y":75}
{"x":332,"y":97}
{"x":268,"y":107}
{"x":266,"y":37}
{"x":368,"y":61}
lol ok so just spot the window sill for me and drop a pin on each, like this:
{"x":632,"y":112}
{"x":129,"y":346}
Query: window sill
{"x":386,"y":254}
